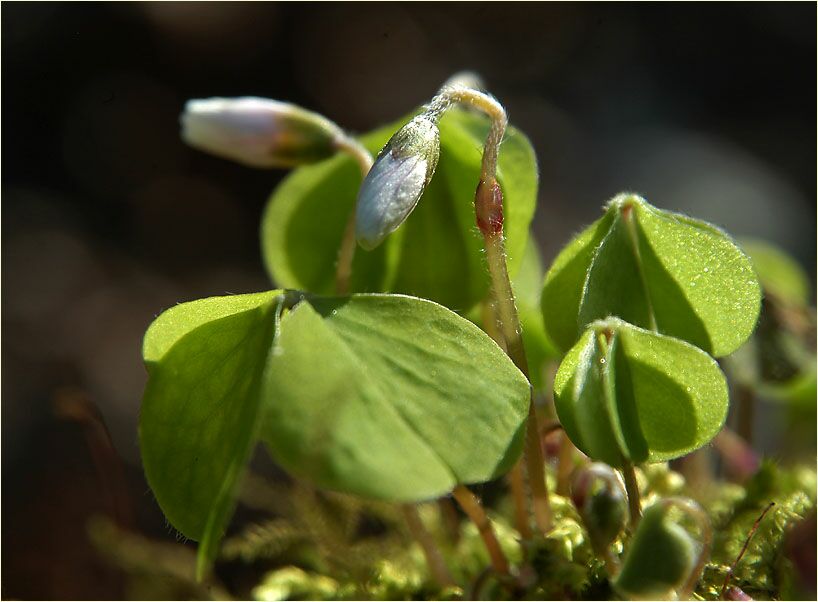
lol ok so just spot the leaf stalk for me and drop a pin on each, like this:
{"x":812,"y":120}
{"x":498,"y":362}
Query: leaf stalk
{"x":346,"y":252}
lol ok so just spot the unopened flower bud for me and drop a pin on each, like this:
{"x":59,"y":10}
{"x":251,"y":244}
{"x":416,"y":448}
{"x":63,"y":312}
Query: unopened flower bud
{"x":258,"y":132}
{"x":599,"y":497}
{"x":396,"y":181}
{"x":488,"y":207}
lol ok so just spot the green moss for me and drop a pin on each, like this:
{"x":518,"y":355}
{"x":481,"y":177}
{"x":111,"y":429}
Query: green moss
{"x":320,"y":547}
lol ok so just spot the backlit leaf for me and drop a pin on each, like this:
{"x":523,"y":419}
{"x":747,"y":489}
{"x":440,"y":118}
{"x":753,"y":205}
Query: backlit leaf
{"x":391,"y":397}
{"x":201,"y":406}
{"x":385,"y":396}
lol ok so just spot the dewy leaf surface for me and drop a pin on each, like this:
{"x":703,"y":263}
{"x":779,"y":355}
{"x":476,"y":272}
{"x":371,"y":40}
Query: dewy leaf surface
{"x":702,"y":286}
{"x":656,"y":269}
{"x":200,"y":408}
{"x":614,"y":286}
{"x":415,"y":398}
{"x":435,"y":254}
{"x":653,"y":398}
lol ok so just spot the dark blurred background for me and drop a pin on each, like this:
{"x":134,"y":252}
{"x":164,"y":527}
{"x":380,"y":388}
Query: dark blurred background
{"x":107,"y":218}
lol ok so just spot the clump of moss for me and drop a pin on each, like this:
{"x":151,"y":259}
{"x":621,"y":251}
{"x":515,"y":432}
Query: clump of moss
{"x":328,"y":547}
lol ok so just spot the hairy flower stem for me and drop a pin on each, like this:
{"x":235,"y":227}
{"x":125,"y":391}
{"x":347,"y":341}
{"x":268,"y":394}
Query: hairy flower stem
{"x":516,"y":479}
{"x":471,"y":506}
{"x":346,"y":252}
{"x":517,"y":484}
{"x":509,"y":321}
{"x":451,"y":95}
{"x":488,"y":205}
{"x":634,"y":499}
{"x":437,"y":566}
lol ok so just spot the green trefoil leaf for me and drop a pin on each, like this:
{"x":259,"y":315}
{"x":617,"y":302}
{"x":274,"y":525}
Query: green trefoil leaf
{"x":656,"y":269}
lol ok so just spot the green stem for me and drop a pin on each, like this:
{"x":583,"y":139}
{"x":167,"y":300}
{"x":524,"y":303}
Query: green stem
{"x":509,"y":322}
{"x":434,"y":559}
{"x":346,"y":252}
{"x":343,"y":275}
{"x":471,"y":506}
{"x":515,"y":475}
{"x":517,"y":485}
{"x":450,"y":95}
{"x":632,"y":488}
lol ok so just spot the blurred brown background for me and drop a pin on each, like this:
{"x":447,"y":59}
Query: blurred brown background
{"x":108,"y":218}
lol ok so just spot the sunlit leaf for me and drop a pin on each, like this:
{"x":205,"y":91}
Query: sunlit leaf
{"x":201,"y":407}
{"x":624,"y":393}
{"x":659,"y":270}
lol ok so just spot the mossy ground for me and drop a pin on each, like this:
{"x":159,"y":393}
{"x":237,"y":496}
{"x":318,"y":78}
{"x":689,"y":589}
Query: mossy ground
{"x":325,"y":546}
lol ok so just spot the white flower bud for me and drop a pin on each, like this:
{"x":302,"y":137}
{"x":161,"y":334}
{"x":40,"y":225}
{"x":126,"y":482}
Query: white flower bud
{"x":394,"y":185}
{"x":258,"y":132}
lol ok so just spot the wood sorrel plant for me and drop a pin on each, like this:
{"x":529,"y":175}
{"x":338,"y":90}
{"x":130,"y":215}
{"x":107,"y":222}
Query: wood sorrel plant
{"x":362,"y":375}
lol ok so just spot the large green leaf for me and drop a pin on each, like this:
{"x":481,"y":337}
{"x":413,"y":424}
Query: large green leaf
{"x":436,"y":253}
{"x":391,"y":397}
{"x":660,"y":270}
{"x":385,"y":396}
{"x":624,"y":393}
{"x":201,"y":407}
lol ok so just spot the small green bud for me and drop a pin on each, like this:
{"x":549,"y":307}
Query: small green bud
{"x":599,"y":497}
{"x":661,"y":558}
{"x":394,"y":185}
{"x":258,"y":132}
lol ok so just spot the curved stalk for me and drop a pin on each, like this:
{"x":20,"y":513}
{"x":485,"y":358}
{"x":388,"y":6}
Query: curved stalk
{"x":488,"y":206}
